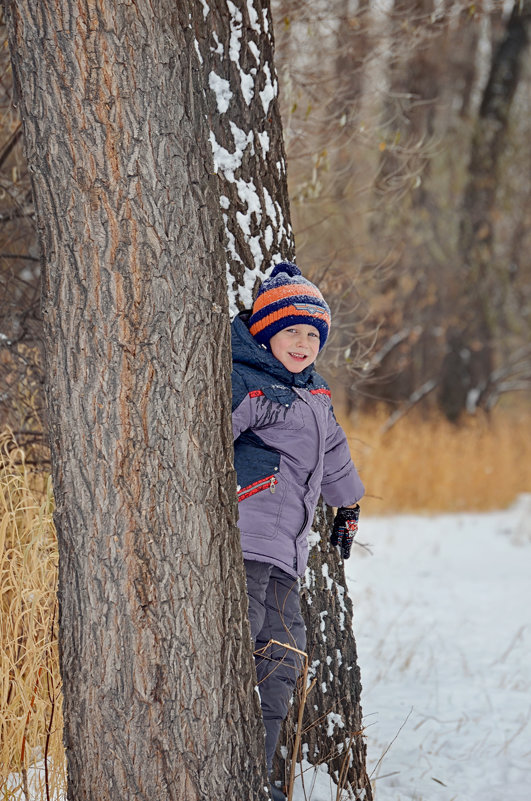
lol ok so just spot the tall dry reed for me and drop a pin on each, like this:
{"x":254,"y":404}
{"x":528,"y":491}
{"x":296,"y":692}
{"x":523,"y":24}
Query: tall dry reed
{"x":426,"y":464}
{"x":32,"y":764}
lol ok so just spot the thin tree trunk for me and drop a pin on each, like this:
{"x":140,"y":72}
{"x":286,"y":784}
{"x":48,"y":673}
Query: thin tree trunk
{"x":155,"y":657}
{"x":245,"y":121}
{"x":332,"y":731}
{"x":235,"y":41}
{"x":353,"y":48}
{"x":410,"y":104}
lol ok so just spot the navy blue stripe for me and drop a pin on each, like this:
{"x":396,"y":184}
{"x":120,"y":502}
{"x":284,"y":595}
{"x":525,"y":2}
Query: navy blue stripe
{"x":271,"y":308}
{"x":289,"y":320}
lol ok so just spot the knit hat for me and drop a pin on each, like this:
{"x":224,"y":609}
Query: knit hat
{"x":287,"y":298}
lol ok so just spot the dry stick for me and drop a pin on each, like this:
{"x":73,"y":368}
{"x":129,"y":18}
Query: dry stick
{"x":304,"y":695}
{"x":416,"y":396}
{"x":48,"y":735}
{"x":298,"y":733}
{"x":261,"y":652}
{"x":345,"y":765}
{"x":25,"y":783}
{"x":23,"y":749}
{"x":51,"y":696}
{"x":305,"y":692}
{"x":344,"y":769}
{"x":10,"y":144}
{"x":388,"y":748}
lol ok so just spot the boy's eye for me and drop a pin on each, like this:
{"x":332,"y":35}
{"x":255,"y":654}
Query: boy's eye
{"x":313,"y":334}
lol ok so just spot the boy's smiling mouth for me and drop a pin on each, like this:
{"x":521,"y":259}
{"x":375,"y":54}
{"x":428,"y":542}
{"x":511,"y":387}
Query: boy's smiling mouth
{"x":297,"y":356}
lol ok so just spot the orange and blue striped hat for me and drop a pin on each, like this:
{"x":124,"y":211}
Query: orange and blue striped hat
{"x":287,"y":298}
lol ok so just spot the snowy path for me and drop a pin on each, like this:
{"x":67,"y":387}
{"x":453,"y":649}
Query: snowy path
{"x":443,"y":629}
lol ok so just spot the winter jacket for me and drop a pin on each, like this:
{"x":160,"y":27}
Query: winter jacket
{"x":288,"y":449}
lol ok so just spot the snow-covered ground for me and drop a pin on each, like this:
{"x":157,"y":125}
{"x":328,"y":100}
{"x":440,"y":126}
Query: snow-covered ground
{"x":443,"y":629}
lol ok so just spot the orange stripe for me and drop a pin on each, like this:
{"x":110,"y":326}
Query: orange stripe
{"x":286,"y":311}
{"x":285,"y":291}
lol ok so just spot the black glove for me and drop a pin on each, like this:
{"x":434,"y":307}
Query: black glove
{"x":345,"y":529}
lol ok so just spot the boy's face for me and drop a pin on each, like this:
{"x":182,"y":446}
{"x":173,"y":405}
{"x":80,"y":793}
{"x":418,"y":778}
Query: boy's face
{"x":296,"y":347}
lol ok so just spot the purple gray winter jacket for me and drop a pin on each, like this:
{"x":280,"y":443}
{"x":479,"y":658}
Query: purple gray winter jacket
{"x":288,"y":449}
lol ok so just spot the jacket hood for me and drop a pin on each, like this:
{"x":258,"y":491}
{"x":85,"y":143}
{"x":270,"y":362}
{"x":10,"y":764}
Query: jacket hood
{"x":247,"y":350}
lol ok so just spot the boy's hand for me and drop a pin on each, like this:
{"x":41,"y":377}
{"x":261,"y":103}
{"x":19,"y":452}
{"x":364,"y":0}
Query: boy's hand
{"x":345,"y":529}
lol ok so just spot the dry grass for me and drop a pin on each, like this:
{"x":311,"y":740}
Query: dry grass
{"x":32,"y":764}
{"x":430,"y":465}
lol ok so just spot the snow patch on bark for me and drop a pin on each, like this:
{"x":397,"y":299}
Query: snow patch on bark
{"x":221,"y":89}
{"x":247,"y":84}
{"x":248,"y":196}
{"x":271,"y":211}
{"x":333,"y":720}
{"x":253,"y":17}
{"x":263,"y":138}
{"x":326,"y":575}
{"x":198,"y":51}
{"x":241,"y":140}
{"x":235,"y":32}
{"x":322,"y":624}
{"x":218,"y":49}
{"x":269,"y":92}
{"x":255,"y":51}
{"x":223,"y":160}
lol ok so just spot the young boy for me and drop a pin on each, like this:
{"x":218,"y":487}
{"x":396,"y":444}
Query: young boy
{"x":288,"y":449}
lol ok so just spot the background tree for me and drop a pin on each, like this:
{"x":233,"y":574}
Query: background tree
{"x":21,"y":378}
{"x":158,"y":680}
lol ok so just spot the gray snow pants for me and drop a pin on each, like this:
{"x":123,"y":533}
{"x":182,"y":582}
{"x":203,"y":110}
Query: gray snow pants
{"x":274,"y":614}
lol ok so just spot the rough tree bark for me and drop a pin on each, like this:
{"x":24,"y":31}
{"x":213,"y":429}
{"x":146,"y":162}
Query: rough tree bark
{"x":246,"y":134}
{"x":468,"y":365}
{"x":235,"y":42}
{"x":158,"y":678}
{"x":333,"y":720}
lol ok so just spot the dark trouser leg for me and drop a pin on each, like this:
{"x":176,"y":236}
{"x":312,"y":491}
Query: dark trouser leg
{"x":274,"y":613}
{"x":257,"y":574}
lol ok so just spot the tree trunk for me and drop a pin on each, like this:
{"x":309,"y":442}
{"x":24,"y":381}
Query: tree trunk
{"x":235,"y":41}
{"x":410,"y":106}
{"x":254,"y":201}
{"x":332,"y":729}
{"x":353,"y":48}
{"x":155,"y":657}
{"x":469,"y":362}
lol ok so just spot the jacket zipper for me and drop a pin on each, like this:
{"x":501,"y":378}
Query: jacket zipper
{"x":304,"y":524}
{"x":269,"y":483}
